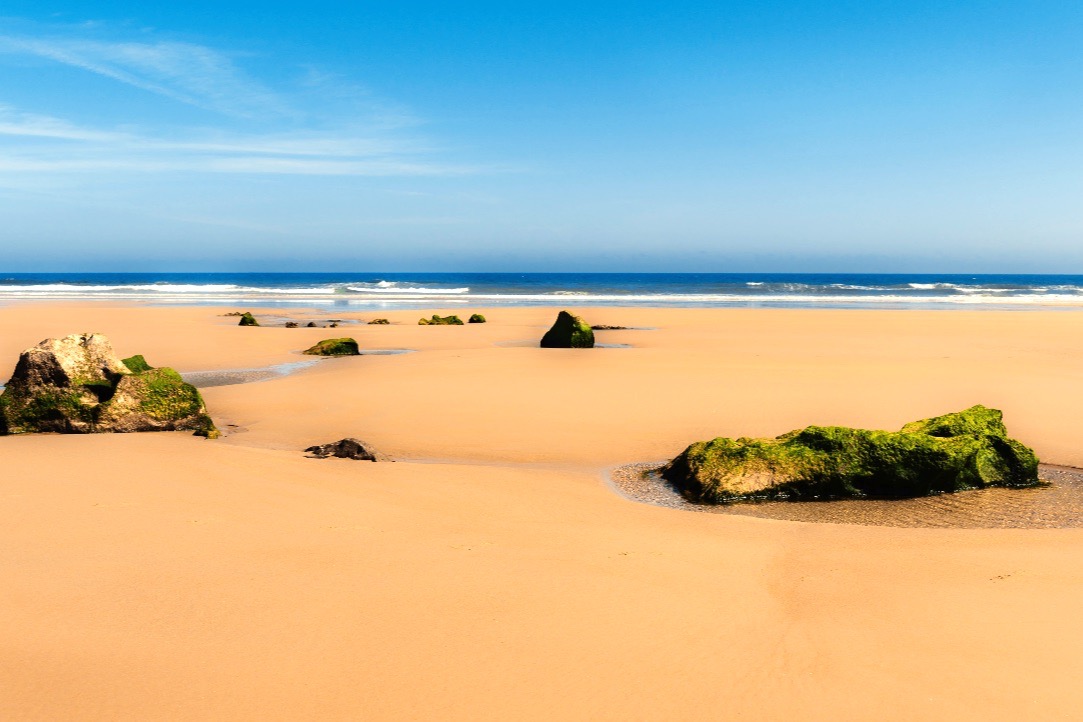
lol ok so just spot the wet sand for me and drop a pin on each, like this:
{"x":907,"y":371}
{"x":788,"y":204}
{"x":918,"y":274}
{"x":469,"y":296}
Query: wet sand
{"x":1057,"y":505}
{"x":493,"y":573}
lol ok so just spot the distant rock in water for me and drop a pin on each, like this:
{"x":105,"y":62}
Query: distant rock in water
{"x":77,"y":385}
{"x":247,"y":319}
{"x":335,"y":347}
{"x":441,"y":321}
{"x":291,"y":324}
{"x":476,"y":318}
{"x":379,"y":322}
{"x":569,"y":331}
{"x":965,"y":450}
{"x":347,"y":449}
{"x":310,"y":324}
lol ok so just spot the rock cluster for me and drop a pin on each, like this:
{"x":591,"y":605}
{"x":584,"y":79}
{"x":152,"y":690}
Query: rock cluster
{"x":347,"y":449}
{"x":78,"y":385}
{"x":379,"y":322}
{"x":965,"y":450}
{"x":569,"y":331}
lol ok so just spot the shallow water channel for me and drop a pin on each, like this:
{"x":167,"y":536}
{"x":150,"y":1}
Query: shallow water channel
{"x":228,"y":377}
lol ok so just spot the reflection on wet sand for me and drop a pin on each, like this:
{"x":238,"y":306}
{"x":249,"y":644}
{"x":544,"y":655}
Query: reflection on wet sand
{"x":1057,"y":505}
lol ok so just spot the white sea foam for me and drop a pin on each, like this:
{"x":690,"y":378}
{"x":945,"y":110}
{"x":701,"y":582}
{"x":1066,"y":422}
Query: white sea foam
{"x":391,"y":293}
{"x":408,"y":290}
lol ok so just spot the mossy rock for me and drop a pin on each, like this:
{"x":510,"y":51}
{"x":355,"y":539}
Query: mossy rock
{"x":335,"y":347}
{"x":441,"y":321}
{"x":157,"y":399}
{"x":137,"y":364}
{"x":247,"y":319}
{"x":965,"y":450}
{"x":476,"y":318}
{"x":569,"y":331}
{"x":77,"y":385}
{"x":379,"y":322}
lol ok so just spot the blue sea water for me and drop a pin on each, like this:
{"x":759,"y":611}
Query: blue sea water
{"x":427,"y":290}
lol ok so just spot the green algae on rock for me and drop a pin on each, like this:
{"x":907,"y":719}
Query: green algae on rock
{"x":441,"y":321}
{"x":77,"y":385}
{"x":137,"y":364}
{"x":476,"y":318}
{"x":965,"y":450}
{"x":379,"y":322}
{"x":247,"y":319}
{"x":335,"y":347}
{"x":569,"y":331}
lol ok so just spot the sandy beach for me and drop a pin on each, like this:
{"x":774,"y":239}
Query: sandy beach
{"x":491,"y":572}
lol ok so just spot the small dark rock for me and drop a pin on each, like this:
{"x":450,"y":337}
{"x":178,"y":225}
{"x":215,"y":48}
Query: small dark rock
{"x":569,"y":331}
{"x":310,"y":324}
{"x":379,"y":322}
{"x":347,"y":449}
{"x":334,"y":347}
{"x":291,"y":324}
{"x":438,"y":320}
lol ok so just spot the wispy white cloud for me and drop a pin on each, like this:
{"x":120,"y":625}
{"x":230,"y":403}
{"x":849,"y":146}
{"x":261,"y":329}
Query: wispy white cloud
{"x":32,"y":143}
{"x":193,"y":74}
{"x":344,"y":129}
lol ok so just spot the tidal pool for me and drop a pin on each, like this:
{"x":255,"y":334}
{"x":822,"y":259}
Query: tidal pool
{"x":1057,"y":505}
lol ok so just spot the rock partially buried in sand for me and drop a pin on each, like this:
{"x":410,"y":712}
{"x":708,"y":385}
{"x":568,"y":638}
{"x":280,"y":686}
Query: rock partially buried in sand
{"x":569,"y":331}
{"x":335,"y":347}
{"x":476,"y":318}
{"x":441,"y":321}
{"x":247,"y":319}
{"x":965,"y":450}
{"x":347,"y":449}
{"x":77,"y":385}
{"x":379,"y":322}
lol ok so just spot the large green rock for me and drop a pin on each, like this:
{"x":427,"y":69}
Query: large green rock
{"x":437,"y":320}
{"x":476,"y":318}
{"x":965,"y":450}
{"x":569,"y":331}
{"x":77,"y":385}
{"x":335,"y":347}
{"x":247,"y":319}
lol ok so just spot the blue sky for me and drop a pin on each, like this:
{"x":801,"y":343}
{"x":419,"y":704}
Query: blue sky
{"x":758,"y":136}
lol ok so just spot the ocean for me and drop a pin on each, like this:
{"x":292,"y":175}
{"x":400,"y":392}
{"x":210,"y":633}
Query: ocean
{"x":417,"y":290}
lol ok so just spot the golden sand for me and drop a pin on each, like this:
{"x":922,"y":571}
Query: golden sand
{"x":496,"y":576}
